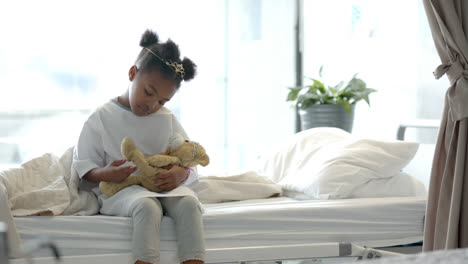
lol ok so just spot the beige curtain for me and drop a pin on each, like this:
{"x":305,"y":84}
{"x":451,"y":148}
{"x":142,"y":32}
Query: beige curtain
{"x":446,"y":224}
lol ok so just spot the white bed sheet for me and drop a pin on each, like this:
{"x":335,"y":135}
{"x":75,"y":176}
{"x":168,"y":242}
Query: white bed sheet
{"x":372,"y":222}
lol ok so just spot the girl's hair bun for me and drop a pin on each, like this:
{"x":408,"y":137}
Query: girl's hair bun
{"x":190,"y":69}
{"x":160,"y":56}
{"x":171,"y":50}
{"x":149,"y":38}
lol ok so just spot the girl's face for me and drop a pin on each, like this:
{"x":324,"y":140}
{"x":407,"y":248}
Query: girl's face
{"x":149,"y":91}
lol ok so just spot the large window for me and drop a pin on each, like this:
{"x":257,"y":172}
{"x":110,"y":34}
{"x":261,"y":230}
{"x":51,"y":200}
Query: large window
{"x":61,"y":59}
{"x":389,"y":44}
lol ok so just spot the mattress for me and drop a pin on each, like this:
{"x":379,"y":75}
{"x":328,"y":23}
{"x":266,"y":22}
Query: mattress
{"x":274,"y":222}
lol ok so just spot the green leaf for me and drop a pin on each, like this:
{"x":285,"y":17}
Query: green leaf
{"x":312,"y":89}
{"x":344,"y":93}
{"x":356,"y":85}
{"x":339,"y":86}
{"x":363,"y":95}
{"x":346,"y":105}
{"x":328,"y":99}
{"x":332,"y":90}
{"x":306,"y":100}
{"x":293,"y":92}
{"x":320,"y":86}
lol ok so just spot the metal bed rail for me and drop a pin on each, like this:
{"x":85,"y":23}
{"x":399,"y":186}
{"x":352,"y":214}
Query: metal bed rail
{"x":305,"y":252}
{"x":416,"y":123}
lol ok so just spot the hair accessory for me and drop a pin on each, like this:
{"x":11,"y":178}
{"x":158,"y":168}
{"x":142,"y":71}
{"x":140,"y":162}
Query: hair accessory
{"x":176,"y":67}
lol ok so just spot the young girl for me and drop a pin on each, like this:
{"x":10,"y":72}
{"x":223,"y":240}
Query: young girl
{"x":140,"y":114}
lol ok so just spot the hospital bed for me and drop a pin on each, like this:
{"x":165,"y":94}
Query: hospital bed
{"x":286,"y":229}
{"x":266,"y":229}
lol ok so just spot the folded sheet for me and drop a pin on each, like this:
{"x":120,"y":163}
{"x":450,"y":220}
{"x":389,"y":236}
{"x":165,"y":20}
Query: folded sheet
{"x":243,"y":186}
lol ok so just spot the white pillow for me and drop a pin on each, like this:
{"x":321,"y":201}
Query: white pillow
{"x":330,"y":163}
{"x":400,"y":184}
{"x":300,"y":147}
{"x":421,"y":165}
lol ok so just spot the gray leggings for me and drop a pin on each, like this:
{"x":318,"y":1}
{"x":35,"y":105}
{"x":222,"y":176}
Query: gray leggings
{"x":146,"y":215}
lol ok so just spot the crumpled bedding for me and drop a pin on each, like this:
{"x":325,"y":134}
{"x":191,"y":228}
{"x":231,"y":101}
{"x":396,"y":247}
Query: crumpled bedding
{"x":47,"y":185}
{"x":44,"y":185}
{"x":239,"y":187}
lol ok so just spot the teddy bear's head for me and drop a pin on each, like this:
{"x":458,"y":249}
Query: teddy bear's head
{"x":190,"y":153}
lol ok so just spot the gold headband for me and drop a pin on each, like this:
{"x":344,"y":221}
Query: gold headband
{"x":176,"y":67}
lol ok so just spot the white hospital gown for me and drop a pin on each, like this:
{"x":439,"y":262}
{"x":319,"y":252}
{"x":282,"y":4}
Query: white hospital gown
{"x":99,"y":145}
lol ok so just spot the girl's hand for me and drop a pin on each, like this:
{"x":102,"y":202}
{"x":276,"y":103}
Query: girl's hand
{"x":170,"y":179}
{"x":117,"y":173}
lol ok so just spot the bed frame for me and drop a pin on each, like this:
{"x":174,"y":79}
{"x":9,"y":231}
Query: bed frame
{"x":276,"y":254}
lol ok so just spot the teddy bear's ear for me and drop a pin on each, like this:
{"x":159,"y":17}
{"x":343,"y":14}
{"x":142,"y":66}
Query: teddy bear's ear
{"x":175,"y":141}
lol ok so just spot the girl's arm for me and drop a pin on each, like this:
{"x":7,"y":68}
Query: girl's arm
{"x":88,"y":157}
{"x":114,"y":172}
{"x":89,"y":151}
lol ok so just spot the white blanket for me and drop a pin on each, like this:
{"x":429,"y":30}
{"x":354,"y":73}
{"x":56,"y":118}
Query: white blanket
{"x":47,"y":184}
{"x":244,"y":186}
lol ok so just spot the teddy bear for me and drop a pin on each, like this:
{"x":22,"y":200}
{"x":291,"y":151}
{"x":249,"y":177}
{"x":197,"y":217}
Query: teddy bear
{"x":180,"y":152}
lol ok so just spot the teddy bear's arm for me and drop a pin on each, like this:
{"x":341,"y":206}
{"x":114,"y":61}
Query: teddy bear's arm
{"x":111,"y":188}
{"x":161,"y":160}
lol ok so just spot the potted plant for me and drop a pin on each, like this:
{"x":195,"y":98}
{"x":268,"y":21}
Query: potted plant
{"x":321,"y":105}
